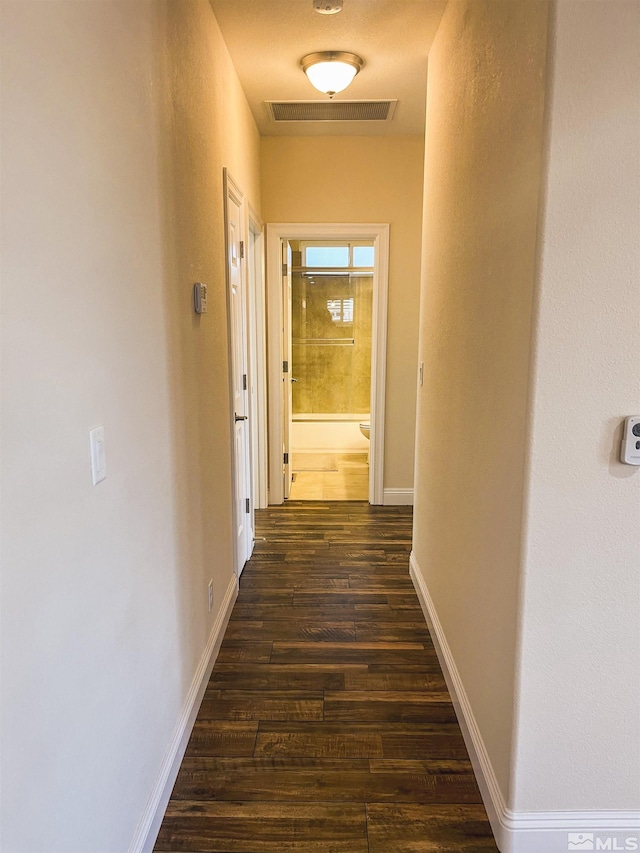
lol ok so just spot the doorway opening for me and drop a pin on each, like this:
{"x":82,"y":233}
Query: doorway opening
{"x":331,"y":324}
{"x":327,"y":300}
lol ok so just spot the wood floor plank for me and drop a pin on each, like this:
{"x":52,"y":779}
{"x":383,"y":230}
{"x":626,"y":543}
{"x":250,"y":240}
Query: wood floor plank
{"x":316,"y":779}
{"x":340,"y":565}
{"x":397,"y":653}
{"x":372,"y":581}
{"x":425,"y":828}
{"x":429,"y":741}
{"x":379,"y":631}
{"x":355,"y":597}
{"x":398,"y":558}
{"x":333,"y":632}
{"x":318,"y":740}
{"x":352,"y":598}
{"x":244,"y":652}
{"x":326,"y":726}
{"x":306,"y":539}
{"x":222,"y":738}
{"x":308,"y":677}
{"x":337,"y":613}
{"x":427,"y":744}
{"x":281,"y":597}
{"x":261,"y":705}
{"x":397,"y":678}
{"x":391,"y":608}
{"x":296,"y":580}
{"x":389,"y":706}
{"x":214,"y":827}
{"x":419,"y":767}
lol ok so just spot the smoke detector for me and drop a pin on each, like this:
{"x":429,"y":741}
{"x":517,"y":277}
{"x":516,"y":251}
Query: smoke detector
{"x":327,"y":7}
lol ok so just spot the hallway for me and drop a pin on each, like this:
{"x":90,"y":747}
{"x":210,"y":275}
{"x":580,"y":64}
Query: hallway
{"x":326,"y":724}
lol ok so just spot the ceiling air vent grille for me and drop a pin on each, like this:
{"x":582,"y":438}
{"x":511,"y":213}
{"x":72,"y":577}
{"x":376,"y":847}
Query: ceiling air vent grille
{"x":331,"y":110}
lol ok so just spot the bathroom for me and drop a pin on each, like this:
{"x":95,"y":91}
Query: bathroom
{"x":331,"y":327}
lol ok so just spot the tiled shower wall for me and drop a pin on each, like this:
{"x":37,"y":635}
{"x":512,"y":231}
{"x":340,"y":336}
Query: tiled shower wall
{"x":331,"y":329}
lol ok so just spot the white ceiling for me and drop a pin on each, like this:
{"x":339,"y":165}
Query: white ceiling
{"x":267,"y":39}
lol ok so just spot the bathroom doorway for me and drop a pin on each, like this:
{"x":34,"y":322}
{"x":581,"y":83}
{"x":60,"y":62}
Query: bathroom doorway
{"x":327,"y":353}
{"x":331,"y":324}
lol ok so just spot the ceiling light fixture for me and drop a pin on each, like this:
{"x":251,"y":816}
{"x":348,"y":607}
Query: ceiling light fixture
{"x":331,"y":71}
{"x":327,"y":7}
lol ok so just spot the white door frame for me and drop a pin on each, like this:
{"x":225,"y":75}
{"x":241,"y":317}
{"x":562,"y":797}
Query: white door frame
{"x":379,"y":234}
{"x":286,"y":356}
{"x":257,"y":361}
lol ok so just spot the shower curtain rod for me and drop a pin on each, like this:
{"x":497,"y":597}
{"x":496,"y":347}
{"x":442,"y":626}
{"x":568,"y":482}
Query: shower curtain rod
{"x":311,"y":271}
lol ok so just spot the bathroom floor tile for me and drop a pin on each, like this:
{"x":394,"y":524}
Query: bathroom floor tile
{"x":307,"y":486}
{"x":348,"y":481}
{"x":314,"y":462}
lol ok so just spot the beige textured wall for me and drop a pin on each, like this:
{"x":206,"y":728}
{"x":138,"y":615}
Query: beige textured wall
{"x":364,"y":179}
{"x":579,"y":711}
{"x":484,"y":140}
{"x":116,"y":121}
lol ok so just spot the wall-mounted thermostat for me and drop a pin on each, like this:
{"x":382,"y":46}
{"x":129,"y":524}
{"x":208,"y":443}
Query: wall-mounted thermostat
{"x":630,"y":449}
{"x":200,"y":297}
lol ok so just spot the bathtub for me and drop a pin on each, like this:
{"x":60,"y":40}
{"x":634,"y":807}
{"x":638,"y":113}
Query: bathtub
{"x":328,"y":433}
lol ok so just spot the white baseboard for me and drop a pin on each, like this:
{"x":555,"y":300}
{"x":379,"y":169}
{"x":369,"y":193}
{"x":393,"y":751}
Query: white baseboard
{"x":397,"y":497}
{"x":487,"y":782}
{"x":519,"y":832}
{"x":550,"y":832}
{"x":149,"y":825}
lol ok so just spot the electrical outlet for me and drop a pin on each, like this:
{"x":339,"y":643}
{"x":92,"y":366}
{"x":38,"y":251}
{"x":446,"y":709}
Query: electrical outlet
{"x":210,"y":594}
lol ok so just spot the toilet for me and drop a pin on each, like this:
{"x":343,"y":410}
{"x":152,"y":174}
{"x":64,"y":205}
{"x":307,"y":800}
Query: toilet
{"x":365,"y":429}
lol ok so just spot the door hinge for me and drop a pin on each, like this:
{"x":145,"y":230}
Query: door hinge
{"x":244,"y":381}
{"x":285,"y":458}
{"x":285,"y":366}
{"x":241,"y":249}
{"x":247,"y":506}
{"x":285,"y":270}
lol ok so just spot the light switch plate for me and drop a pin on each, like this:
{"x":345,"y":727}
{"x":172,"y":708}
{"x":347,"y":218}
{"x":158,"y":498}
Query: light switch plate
{"x":98,"y":458}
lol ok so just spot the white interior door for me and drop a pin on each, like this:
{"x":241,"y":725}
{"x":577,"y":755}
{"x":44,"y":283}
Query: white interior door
{"x":243,"y":509}
{"x":287,"y":351}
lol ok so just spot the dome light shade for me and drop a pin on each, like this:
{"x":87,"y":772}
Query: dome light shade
{"x":331,"y":71}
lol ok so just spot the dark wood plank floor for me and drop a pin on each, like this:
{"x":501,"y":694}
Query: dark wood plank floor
{"x":326,"y":725}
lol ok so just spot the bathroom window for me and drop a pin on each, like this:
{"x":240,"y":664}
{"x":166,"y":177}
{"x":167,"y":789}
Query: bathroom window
{"x":354,"y":255}
{"x":363,"y":256}
{"x":341,"y":310}
{"x":326,"y":256}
